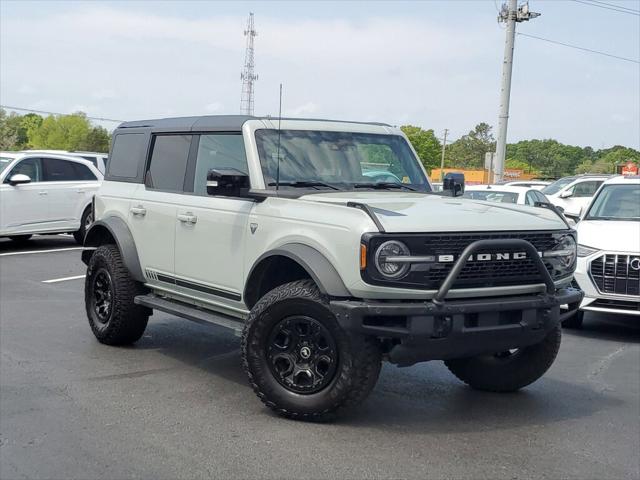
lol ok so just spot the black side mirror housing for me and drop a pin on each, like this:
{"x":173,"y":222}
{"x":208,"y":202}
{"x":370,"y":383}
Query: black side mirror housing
{"x":228,"y":182}
{"x":453,"y":184}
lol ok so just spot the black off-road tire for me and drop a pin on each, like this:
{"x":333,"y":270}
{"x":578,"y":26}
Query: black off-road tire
{"x":20,"y":238}
{"x":85,"y":223}
{"x":574,"y":321}
{"x":125,"y":322}
{"x":508,"y":372}
{"x":357,"y":367}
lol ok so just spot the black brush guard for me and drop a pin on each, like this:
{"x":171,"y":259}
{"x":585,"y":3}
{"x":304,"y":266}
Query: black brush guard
{"x":440,"y":329}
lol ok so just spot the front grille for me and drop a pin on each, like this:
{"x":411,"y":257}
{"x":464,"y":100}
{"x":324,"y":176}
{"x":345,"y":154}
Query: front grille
{"x":617,"y":304}
{"x":476,"y":273}
{"x":615,"y":274}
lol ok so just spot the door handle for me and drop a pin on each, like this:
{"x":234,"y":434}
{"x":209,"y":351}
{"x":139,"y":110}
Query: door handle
{"x":187,"y":218}
{"x":42,"y":192}
{"x":138,"y":211}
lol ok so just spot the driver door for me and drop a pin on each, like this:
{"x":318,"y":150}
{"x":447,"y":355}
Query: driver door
{"x":24,"y":208}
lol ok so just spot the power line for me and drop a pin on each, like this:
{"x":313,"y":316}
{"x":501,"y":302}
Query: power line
{"x":614,"y":5}
{"x":58,"y":113}
{"x":579,"y":48}
{"x":610,"y":6}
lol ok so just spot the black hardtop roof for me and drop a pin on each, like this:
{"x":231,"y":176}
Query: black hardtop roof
{"x":217,"y":122}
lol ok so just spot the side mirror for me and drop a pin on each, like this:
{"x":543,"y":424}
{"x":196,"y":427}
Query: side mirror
{"x":19,"y":179}
{"x":575,"y":216}
{"x":566,"y":194}
{"x":453,"y":184}
{"x":560,"y":208}
{"x":227,"y":182}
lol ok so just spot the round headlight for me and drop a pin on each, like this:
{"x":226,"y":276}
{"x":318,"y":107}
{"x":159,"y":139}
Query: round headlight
{"x":567,"y":250}
{"x":392,"y":248}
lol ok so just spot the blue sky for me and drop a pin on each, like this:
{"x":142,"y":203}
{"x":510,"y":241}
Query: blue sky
{"x":436,"y":64}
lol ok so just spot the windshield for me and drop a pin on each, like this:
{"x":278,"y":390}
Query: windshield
{"x":616,"y":202}
{"x":339,"y":161}
{"x":4,"y":163}
{"x":556,"y":186}
{"x":492,"y":196}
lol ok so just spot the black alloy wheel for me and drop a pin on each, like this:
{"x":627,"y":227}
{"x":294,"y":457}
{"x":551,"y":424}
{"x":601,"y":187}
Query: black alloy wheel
{"x":102,"y":299}
{"x":302,"y":354}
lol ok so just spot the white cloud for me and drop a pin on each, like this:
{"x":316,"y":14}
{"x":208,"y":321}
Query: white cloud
{"x":214,"y":107}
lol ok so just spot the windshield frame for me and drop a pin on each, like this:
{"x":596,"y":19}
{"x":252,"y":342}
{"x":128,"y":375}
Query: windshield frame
{"x":417,"y":170}
{"x":598,"y":195}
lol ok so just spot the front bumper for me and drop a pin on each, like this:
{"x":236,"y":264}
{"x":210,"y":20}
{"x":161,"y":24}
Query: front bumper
{"x":422,"y":331}
{"x":440,"y":328}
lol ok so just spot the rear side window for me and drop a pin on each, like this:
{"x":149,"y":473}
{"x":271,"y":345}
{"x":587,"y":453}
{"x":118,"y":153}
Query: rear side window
{"x":168,"y":163}
{"x":83,"y":172}
{"x":127,"y":153}
{"x":56,"y":170}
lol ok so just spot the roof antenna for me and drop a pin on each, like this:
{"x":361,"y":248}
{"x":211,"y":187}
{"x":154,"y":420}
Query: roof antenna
{"x":278,"y":150}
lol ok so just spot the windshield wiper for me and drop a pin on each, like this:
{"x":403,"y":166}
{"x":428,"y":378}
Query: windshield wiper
{"x":304,"y":184}
{"x":383,"y":186}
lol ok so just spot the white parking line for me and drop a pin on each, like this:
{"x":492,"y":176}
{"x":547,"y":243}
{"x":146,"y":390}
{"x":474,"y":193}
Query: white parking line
{"x":40,"y":251}
{"x":63,"y":279}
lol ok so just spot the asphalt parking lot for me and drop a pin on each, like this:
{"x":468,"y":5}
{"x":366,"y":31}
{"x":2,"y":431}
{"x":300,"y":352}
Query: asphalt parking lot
{"x":177,"y":404}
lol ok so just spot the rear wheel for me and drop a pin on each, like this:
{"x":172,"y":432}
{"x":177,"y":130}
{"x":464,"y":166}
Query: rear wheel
{"x":510,"y":370}
{"x":85,"y":223}
{"x":109,"y":292}
{"x":300,"y":362}
{"x":20,"y":238}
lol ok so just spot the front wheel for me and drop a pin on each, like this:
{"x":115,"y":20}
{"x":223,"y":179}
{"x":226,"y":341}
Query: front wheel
{"x":510,"y":370}
{"x":299,"y":361}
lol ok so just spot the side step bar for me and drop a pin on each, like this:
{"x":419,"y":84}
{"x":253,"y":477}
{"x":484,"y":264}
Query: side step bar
{"x":190,"y":312}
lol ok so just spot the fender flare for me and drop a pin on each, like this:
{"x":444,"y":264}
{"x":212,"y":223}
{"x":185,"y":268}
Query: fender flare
{"x":314,"y":263}
{"x":118,"y":229}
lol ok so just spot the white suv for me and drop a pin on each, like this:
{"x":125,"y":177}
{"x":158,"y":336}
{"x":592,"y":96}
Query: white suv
{"x":289,"y":233}
{"x":573,"y":194}
{"x":99,"y":160}
{"x":608,"y":267}
{"x":45,"y":193}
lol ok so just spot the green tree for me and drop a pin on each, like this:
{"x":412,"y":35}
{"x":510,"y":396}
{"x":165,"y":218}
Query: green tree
{"x":594,"y":167}
{"x":470,"y":149}
{"x":66,"y":132}
{"x":549,"y":157}
{"x":96,"y":140}
{"x":8,"y":133}
{"x":426,"y":145}
{"x":619,"y":154}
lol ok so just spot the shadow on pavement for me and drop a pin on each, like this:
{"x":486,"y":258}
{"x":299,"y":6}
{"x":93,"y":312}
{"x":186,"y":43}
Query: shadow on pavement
{"x":618,"y":328}
{"x":37,"y":242}
{"x":419,"y":399}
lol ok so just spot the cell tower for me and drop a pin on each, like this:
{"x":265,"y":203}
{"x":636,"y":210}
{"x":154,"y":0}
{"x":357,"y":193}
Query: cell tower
{"x":247,"y":76}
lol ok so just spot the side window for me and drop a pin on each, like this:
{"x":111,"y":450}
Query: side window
{"x":218,"y":151}
{"x":168,"y":163}
{"x":586,"y":189}
{"x":127,"y":154}
{"x":83,"y":172}
{"x":31,"y":167}
{"x":540,"y":197}
{"x":56,"y":170}
{"x":530,"y":199}
{"x":93,"y":160}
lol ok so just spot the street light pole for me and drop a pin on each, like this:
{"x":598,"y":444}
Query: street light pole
{"x":509,"y":14}
{"x":444,"y":144}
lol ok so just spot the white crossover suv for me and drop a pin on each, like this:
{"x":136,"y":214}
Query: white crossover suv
{"x":45,"y":193}
{"x":608,"y":267}
{"x":515,"y":194}
{"x":573,"y":194}
{"x":322,"y":244}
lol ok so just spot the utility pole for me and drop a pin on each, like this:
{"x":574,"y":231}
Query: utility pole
{"x":444,"y":144}
{"x":509,"y":14}
{"x":247,"y":76}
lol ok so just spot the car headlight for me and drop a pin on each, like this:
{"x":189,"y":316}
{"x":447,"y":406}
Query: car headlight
{"x":562,"y":257}
{"x":584,"y":251}
{"x":384,"y":259}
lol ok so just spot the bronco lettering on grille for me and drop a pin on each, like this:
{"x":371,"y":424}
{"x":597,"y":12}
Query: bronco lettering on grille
{"x":486,"y":257}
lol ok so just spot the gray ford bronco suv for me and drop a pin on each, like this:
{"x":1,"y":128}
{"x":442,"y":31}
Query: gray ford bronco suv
{"x":322,"y":244}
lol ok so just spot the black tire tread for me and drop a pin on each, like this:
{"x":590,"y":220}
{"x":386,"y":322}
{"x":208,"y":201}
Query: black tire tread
{"x":533,"y":362}
{"x":128,"y":321}
{"x":356,"y":380}
{"x":79,"y":234}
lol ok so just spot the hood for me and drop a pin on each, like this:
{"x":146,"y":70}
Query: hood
{"x":612,"y":235}
{"x":409,"y":212}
